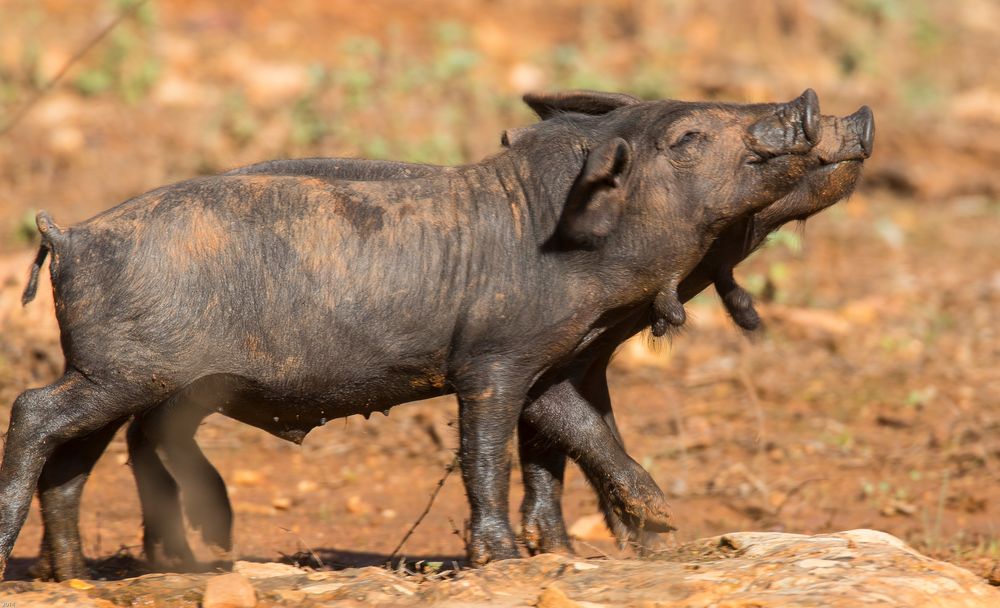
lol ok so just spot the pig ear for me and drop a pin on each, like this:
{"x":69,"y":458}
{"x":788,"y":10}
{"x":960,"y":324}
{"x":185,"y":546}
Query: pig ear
{"x":582,"y":102}
{"x":597,"y":198}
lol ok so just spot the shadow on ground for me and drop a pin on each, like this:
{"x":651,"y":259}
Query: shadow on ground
{"x":124,"y":564}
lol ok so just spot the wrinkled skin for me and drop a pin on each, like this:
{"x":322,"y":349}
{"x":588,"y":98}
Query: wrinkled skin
{"x":844,"y":146}
{"x":181,"y":297}
{"x":835,"y":169}
{"x":838,"y":156}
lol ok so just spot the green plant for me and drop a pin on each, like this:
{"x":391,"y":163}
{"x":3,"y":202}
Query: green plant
{"x":25,"y":231}
{"x":889,"y":10}
{"x":309,"y":125}
{"x":356,"y":76}
{"x":932,"y":526}
{"x":128,"y":65}
{"x":786,"y":239}
{"x":238,"y":120}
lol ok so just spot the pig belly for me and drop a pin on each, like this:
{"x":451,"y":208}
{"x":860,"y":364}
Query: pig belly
{"x":290,"y":410}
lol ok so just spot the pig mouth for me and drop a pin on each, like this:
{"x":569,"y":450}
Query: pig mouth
{"x":829,"y":166}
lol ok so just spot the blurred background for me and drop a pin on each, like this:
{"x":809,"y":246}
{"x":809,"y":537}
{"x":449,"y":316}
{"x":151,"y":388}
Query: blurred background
{"x":872,"y":399}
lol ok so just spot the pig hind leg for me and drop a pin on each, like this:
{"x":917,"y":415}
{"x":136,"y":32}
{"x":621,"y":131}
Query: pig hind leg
{"x":168,"y":431}
{"x":59,"y":489}
{"x":163,"y":539}
{"x":41,"y":420}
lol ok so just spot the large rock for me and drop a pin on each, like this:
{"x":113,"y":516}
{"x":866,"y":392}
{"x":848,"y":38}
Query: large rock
{"x":859,"y":567}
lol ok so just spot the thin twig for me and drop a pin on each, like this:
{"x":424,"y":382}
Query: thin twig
{"x":319,"y":562}
{"x":751,"y":389}
{"x":795,"y":490}
{"x":437,"y":490}
{"x":592,"y":547}
{"x":21,"y":113}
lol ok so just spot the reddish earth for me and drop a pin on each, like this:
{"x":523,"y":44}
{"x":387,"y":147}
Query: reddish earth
{"x":871,"y":400}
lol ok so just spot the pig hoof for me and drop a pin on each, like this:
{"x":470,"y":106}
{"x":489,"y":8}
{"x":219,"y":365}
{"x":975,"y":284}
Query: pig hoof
{"x":483,"y":555}
{"x":660,"y":327}
{"x":648,"y":543}
{"x":642,"y":506}
{"x":42,"y":570}
{"x":659,"y":522}
{"x":739,"y":305}
{"x":483,"y":550}
{"x":167,"y":557}
{"x":669,"y":308}
{"x":659,"y":517}
{"x":545,"y":533}
{"x":45,"y":569}
{"x":537,"y":541}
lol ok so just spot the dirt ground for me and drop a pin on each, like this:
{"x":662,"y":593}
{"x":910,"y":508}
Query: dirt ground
{"x":871,"y":400}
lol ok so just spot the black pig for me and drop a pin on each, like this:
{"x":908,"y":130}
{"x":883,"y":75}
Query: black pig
{"x":835,"y":168}
{"x":400,"y":290}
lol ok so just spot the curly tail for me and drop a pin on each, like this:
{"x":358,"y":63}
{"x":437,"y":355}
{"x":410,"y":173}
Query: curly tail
{"x":51,"y":235}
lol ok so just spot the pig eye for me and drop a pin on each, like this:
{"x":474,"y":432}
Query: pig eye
{"x":688,"y":138}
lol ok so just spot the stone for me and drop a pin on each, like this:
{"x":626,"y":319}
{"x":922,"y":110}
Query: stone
{"x":590,"y":527}
{"x":255,"y":570}
{"x":553,"y":597}
{"x":762,"y":569}
{"x":229,"y":591}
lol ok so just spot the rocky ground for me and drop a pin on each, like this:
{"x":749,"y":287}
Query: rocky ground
{"x":871,"y":400}
{"x":858,"y":567}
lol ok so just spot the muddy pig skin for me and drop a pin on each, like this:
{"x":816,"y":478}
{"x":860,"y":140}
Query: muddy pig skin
{"x":287,"y":301}
{"x":843,"y":146}
{"x":834,"y":171}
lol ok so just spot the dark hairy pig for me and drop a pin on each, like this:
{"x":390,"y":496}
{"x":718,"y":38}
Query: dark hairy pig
{"x":399,"y":290}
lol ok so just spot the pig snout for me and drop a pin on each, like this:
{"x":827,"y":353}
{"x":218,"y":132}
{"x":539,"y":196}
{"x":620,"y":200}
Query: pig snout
{"x":847,"y":139}
{"x":793,"y":128}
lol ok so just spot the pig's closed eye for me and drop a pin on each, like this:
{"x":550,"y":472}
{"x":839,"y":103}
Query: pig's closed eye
{"x":686,"y":139}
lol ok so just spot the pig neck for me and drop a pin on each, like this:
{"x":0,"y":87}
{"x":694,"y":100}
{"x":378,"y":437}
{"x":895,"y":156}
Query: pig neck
{"x":731,"y":247}
{"x":630,"y":268}
{"x":532,"y":187}
{"x":626,"y":272}
{"x":665,"y":245}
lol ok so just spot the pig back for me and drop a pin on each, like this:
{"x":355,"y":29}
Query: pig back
{"x":246,"y":274}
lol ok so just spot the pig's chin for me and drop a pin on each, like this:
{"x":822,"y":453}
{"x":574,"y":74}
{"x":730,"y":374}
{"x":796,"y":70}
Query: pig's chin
{"x":833,"y":182}
{"x":821,"y":188}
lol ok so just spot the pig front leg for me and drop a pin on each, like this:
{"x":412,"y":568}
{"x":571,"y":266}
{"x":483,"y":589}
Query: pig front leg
{"x":164,"y":541}
{"x":488,"y":413}
{"x":738,"y":301}
{"x":667,"y":310}
{"x":60,"y":487}
{"x":644,"y":541}
{"x":574,"y":425}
